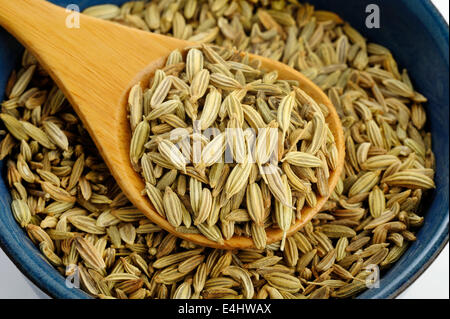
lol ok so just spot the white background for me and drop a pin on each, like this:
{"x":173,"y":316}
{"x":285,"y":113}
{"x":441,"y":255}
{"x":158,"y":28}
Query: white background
{"x":434,"y":282}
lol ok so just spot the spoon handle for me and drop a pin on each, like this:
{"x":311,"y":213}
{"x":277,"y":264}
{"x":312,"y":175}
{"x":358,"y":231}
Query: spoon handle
{"x":68,"y":44}
{"x":28,"y":19}
{"x":94,"y":65}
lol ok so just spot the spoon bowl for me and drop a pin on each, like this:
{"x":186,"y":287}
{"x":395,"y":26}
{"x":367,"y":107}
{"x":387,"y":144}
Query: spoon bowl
{"x":96,"y":65}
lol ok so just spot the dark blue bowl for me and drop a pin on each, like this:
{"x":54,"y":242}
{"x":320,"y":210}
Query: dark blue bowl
{"x":418,"y":37}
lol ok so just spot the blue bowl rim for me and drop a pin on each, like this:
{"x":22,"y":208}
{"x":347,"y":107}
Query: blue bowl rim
{"x":24,"y":272}
{"x":419,"y":273}
{"x":424,"y":265}
{"x":396,"y":290}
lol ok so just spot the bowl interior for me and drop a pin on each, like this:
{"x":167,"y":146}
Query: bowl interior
{"x":418,"y":37}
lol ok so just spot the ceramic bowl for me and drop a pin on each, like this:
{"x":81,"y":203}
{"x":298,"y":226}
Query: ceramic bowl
{"x":418,"y":37}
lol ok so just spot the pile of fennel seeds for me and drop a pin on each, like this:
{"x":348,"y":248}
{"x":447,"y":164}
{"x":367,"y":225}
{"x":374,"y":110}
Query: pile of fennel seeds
{"x":268,"y":156}
{"x":120,"y":254}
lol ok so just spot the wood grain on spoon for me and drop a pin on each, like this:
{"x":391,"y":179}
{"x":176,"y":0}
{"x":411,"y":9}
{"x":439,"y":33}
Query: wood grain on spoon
{"x":95,"y":66}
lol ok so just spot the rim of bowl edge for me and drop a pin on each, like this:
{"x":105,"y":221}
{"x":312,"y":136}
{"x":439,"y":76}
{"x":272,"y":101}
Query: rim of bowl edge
{"x":444,"y":28}
{"x":424,"y":264}
{"x":420,"y":272}
{"x":34,"y":281}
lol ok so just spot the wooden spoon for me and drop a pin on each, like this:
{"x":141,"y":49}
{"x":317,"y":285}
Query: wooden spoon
{"x":95,"y":66}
